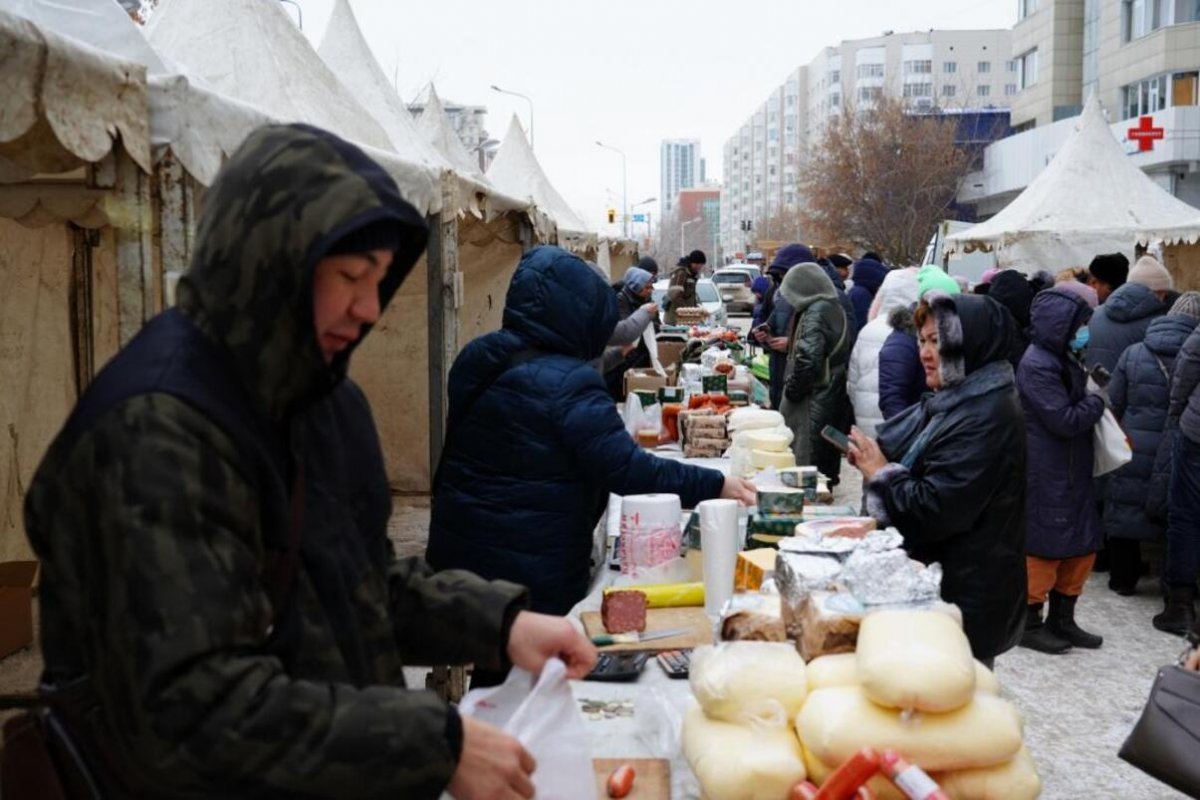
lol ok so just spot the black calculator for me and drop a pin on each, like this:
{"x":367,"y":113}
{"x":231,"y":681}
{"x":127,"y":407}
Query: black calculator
{"x":618,"y":666}
{"x":675,"y":662}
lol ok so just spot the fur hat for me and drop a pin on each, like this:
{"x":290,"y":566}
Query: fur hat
{"x":1151,"y":274}
{"x":1111,"y":268}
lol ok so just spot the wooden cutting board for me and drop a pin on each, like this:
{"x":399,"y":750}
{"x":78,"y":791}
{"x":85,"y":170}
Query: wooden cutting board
{"x":651,"y":781}
{"x":693,"y":618}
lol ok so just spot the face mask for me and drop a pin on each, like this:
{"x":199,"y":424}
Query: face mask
{"x":1081,"y":339}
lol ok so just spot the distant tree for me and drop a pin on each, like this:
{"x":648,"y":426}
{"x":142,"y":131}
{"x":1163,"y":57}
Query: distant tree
{"x":785,"y":225}
{"x":882,"y":179}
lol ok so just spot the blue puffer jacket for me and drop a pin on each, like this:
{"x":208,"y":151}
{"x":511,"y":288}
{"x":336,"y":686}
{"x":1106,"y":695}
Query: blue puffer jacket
{"x":530,"y":465}
{"x":901,"y":376}
{"x":868,"y":277}
{"x":1122,"y":321}
{"x":1059,"y":416}
{"x":1139,"y":392}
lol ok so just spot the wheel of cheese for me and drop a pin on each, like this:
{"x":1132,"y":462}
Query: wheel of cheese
{"x":741,"y":762}
{"x":767,"y":440}
{"x":835,"y":723}
{"x":841,"y":669}
{"x":749,"y":681}
{"x":918,"y":660}
{"x":1016,"y":780}
{"x":768,"y":458}
{"x":745,"y":419}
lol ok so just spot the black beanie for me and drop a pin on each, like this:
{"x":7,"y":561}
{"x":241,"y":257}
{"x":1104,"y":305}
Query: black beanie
{"x":697,"y":257}
{"x":382,"y":234}
{"x":841,"y":261}
{"x":649,"y":264}
{"x":1111,"y":268}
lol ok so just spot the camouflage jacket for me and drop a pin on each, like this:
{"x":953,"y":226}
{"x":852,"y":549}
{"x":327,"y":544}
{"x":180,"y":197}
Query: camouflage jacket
{"x":163,"y":505}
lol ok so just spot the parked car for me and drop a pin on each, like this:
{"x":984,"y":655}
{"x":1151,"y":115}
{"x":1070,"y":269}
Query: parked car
{"x":706,"y":293}
{"x":734,"y":282}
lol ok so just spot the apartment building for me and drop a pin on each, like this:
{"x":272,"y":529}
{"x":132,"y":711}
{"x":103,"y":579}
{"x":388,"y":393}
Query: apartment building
{"x":468,"y":122}
{"x":1140,"y":57}
{"x":678,"y":168}
{"x":933,"y":70}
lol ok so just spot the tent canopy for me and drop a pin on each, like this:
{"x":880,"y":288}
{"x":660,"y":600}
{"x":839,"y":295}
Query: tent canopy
{"x":517,"y":172}
{"x":435,"y":126}
{"x":1090,"y":199}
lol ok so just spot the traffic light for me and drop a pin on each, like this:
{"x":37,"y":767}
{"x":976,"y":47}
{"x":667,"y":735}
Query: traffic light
{"x":612,"y":216}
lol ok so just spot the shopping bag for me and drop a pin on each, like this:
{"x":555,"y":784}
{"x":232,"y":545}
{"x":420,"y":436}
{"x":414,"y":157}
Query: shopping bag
{"x":542,"y":714}
{"x":1166,"y":739}
{"x":1111,"y":445}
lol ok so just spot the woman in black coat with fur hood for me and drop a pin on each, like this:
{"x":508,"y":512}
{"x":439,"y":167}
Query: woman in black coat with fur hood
{"x":949,"y":472}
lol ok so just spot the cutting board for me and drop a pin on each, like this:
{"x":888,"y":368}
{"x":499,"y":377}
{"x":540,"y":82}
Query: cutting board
{"x":651,"y":780}
{"x":693,"y":618}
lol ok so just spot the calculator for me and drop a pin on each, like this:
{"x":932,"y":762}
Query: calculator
{"x":618,"y":667}
{"x":675,"y":662}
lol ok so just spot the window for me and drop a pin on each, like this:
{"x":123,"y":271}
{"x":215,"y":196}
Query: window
{"x":918,"y":90}
{"x":1026,"y":7}
{"x":869,"y":94}
{"x":870,"y":70}
{"x":835,"y":77}
{"x":920,"y":67}
{"x":948,"y":90}
{"x":983,"y":90}
{"x":949,"y":67}
{"x":1011,"y":66}
{"x":983,"y":67}
{"x":1010,"y":89}
{"x":1027,"y":69}
{"x":1145,"y":97}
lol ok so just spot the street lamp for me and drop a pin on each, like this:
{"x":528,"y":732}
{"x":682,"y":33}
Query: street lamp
{"x":624,"y":186}
{"x":496,"y":88}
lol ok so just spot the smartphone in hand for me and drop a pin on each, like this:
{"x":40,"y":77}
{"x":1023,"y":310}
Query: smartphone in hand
{"x":836,"y":438}
{"x":1100,"y":375}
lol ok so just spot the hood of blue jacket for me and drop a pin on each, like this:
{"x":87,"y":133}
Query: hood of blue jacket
{"x":1132,"y":302}
{"x":1055,"y":316}
{"x":557,"y":304}
{"x":1166,"y":335}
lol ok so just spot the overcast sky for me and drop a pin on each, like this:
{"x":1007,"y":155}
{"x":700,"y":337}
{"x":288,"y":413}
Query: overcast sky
{"x":627,"y":73}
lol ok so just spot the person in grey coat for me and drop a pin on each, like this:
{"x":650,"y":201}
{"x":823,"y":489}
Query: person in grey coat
{"x":1138,"y":393}
{"x":635,"y":313}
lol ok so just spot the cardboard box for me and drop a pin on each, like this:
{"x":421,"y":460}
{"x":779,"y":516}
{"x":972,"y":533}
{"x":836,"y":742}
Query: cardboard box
{"x":16,"y":605}
{"x":669,"y":351}
{"x":648,"y":379}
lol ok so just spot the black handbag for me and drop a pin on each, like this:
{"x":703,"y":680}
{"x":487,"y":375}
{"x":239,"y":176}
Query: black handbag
{"x":1166,"y":740}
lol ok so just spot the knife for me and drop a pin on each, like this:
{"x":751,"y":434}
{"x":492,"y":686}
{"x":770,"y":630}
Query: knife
{"x":606,"y":639}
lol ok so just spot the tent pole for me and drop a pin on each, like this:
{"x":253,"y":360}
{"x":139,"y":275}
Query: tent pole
{"x":441,"y":273}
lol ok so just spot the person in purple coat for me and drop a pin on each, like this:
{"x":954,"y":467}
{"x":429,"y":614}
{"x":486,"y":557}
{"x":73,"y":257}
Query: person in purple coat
{"x":1063,"y":528}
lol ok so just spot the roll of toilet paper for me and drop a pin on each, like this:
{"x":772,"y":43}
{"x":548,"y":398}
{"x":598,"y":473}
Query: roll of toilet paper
{"x":719,"y":547}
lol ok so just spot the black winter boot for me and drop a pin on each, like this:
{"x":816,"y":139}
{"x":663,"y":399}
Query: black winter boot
{"x":1038,"y":637}
{"x":1061,"y":621}
{"x":1125,"y":564}
{"x":1179,"y":614}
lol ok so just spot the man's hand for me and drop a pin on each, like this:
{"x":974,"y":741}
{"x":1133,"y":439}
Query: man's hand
{"x":760,"y":336}
{"x":1192,"y":661}
{"x":865,"y":454}
{"x":778,"y":343}
{"x":537,"y":638}
{"x":650,"y":308}
{"x":741,"y":490}
{"x":492,"y":765}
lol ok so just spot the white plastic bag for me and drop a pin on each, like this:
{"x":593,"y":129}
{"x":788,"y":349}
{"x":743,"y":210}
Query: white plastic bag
{"x":543,"y":715}
{"x":1111,"y":446}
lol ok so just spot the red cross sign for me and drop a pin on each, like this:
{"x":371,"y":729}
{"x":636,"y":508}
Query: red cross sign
{"x":1144,"y":133}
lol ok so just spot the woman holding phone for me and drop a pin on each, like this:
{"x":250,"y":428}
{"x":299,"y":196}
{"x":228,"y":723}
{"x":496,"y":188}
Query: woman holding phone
{"x":949,"y":472}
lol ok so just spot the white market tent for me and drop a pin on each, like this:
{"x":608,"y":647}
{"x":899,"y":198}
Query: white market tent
{"x":1090,"y":199}
{"x":515,"y":171}
{"x":434,"y":124}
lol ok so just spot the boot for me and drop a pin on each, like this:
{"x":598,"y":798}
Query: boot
{"x":1179,"y":613}
{"x":1125,"y":566}
{"x":1038,"y":637}
{"x":1061,"y":621}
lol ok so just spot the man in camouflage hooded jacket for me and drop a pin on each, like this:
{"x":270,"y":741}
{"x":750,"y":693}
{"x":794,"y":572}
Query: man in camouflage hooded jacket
{"x":219,"y":594}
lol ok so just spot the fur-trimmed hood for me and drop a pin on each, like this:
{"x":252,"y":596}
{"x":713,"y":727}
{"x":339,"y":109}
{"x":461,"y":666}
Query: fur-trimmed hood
{"x":973,"y":331}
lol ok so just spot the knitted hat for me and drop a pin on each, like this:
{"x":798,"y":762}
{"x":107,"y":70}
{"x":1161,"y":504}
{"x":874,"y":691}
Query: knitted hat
{"x":1081,"y":290}
{"x":933,"y":277}
{"x":1151,"y":274}
{"x":1111,"y":268}
{"x":697,"y":257}
{"x":1188,"y":303}
{"x":649,"y":264}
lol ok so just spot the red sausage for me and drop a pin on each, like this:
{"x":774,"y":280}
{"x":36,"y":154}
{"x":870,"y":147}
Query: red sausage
{"x":620,"y":783}
{"x":804,"y":790}
{"x":910,"y":779}
{"x":843,"y":784}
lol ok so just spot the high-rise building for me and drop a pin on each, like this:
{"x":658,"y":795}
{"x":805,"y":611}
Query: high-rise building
{"x":1141,"y":58}
{"x":679,"y":168}
{"x":948,"y":71}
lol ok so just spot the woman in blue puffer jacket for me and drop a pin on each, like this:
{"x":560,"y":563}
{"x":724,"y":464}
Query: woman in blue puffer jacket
{"x":534,"y":442}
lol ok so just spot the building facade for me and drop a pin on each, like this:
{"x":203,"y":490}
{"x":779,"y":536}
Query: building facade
{"x":468,"y":122}
{"x":679,"y":168}
{"x":932,"y":70}
{"x":1141,"y":58}
{"x":699,"y":213}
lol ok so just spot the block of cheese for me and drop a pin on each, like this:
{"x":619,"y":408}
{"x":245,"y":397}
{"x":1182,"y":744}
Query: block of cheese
{"x":767,"y":440}
{"x":749,"y":681}
{"x":741,"y":762}
{"x":819,"y":772}
{"x":835,"y":723}
{"x":761,"y":459}
{"x":915,"y":659}
{"x":841,"y":669}
{"x":1016,"y":780}
{"x":753,"y":567}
